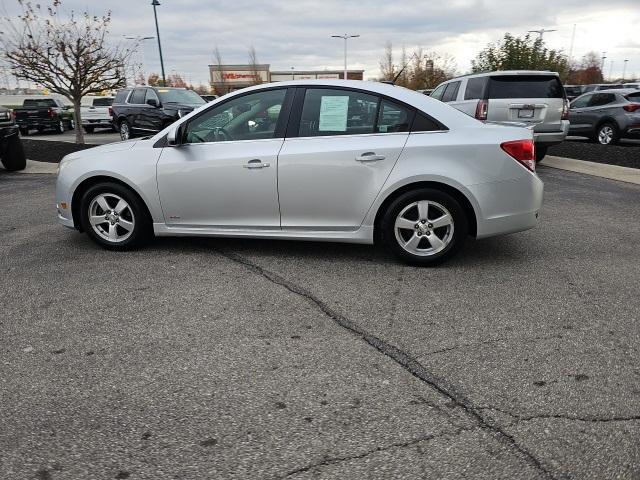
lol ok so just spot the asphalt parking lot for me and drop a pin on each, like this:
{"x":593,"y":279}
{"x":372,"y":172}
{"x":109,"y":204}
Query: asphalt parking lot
{"x":199,"y":358}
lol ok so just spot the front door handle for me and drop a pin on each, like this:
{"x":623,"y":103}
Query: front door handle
{"x":370,"y":157}
{"x":256,"y":163}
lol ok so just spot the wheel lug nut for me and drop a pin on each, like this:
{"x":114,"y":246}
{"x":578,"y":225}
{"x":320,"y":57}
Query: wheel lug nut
{"x":419,"y":234}
{"x":423,"y":221}
{"x":430,"y":225}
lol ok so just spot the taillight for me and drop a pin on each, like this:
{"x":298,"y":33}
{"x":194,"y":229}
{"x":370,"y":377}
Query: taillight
{"x":13,"y":114}
{"x":50,"y":113}
{"x":565,"y":110}
{"x":110,"y":112}
{"x":632,"y":107}
{"x":524,"y":151}
{"x":481,"y":109}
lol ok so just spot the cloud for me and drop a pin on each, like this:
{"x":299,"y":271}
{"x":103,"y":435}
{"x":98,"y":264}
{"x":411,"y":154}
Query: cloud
{"x":297,"y":34}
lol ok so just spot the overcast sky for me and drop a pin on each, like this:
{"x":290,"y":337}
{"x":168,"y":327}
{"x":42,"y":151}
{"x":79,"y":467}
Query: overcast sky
{"x":296,"y":33}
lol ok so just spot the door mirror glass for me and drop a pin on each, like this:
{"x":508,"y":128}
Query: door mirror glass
{"x":153,"y":102}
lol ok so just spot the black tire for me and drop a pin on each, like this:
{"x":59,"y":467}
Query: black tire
{"x":88,"y":129}
{"x":602,"y":138}
{"x":541,"y":152}
{"x":122,"y":126}
{"x":24,"y":131}
{"x":135,"y":213}
{"x":452,"y":239}
{"x":12,"y":155}
{"x":59,"y":128}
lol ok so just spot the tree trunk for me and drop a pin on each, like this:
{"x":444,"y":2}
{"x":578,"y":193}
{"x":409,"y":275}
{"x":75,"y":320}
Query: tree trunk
{"x":78,"y":121}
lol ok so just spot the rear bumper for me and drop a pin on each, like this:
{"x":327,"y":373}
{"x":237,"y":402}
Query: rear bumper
{"x":97,"y":122}
{"x":508,"y":206}
{"x":552,"y":138}
{"x":38,"y":122}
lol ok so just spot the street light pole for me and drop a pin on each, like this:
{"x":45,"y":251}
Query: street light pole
{"x":138,"y":41}
{"x":156,"y":3}
{"x":624,"y":68}
{"x":345,"y":37}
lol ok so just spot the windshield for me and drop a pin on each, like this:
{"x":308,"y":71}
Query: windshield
{"x":170,"y":95}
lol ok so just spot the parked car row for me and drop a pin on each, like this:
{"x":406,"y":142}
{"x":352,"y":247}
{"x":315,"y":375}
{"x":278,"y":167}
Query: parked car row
{"x":537,"y":99}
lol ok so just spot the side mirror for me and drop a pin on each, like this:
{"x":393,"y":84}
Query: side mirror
{"x":153,"y":102}
{"x":173,"y":136}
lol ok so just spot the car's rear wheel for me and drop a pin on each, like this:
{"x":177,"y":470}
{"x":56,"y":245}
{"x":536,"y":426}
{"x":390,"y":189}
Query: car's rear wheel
{"x":114,"y":217}
{"x":125,"y":130}
{"x":24,"y":131}
{"x":541,"y":152}
{"x":12,"y":154}
{"x":607,"y":134}
{"x":88,"y":129}
{"x":424,"y":227}
{"x":59,"y":128}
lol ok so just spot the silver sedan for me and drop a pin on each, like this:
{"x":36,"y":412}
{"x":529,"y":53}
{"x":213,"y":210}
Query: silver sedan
{"x":343,"y":161}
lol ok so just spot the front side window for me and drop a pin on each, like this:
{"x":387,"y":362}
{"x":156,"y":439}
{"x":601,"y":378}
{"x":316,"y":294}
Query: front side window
{"x":179,"y":95}
{"x":249,"y":117}
{"x":151,"y":95}
{"x":581,"y":102}
{"x":337,"y":112}
{"x":437,"y":93}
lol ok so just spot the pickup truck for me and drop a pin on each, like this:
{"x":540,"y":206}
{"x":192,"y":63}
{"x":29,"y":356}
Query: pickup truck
{"x":42,"y":114}
{"x":96,"y":113}
{"x":11,"y":152}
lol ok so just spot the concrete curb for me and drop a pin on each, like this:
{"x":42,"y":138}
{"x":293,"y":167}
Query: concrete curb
{"x":612,"y":172}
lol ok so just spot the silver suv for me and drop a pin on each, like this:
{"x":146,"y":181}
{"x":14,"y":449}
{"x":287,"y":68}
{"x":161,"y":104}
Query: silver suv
{"x":533,"y":98}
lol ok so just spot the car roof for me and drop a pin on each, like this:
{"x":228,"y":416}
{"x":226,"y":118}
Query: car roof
{"x":622,"y":91}
{"x":498,"y":73}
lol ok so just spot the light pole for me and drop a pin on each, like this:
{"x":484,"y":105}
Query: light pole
{"x":610,"y":70}
{"x":156,"y":3}
{"x":138,"y":40}
{"x":604,"y":57}
{"x":345,"y":37}
{"x":624,"y":68}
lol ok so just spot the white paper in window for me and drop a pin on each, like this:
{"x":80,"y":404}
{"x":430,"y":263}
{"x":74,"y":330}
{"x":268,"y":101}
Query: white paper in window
{"x":333,"y":113}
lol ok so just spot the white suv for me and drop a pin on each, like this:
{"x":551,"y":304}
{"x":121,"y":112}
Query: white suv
{"x":533,"y":98}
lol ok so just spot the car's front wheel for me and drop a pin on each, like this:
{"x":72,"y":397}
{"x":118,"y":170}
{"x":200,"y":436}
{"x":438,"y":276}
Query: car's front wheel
{"x":424,"y":227}
{"x":12,"y":154}
{"x":607,"y":134}
{"x":114,"y":217}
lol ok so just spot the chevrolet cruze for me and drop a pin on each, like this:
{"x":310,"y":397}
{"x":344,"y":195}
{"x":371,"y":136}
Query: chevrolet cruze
{"x":344,"y":161}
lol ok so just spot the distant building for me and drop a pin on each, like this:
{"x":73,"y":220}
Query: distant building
{"x":227,"y":78}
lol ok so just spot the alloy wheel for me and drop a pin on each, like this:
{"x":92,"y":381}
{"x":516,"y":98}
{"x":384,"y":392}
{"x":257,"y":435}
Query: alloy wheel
{"x":111,"y":217}
{"x":424,"y":228}
{"x":605,"y":135}
{"x":124,"y":131}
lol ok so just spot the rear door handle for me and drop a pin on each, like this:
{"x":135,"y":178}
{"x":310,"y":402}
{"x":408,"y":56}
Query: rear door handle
{"x":370,"y":157}
{"x":255,"y":163}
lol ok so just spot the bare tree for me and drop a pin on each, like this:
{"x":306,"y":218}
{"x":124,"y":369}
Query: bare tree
{"x":387,"y":68}
{"x":253,"y":63}
{"x":66,"y":56}
{"x":217,"y":62}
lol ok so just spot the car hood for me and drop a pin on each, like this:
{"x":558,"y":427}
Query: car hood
{"x":99,"y":149}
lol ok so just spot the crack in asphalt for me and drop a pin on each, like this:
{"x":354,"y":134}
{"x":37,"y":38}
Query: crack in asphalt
{"x":399,"y":356}
{"x":560,"y":416}
{"x":333,"y":460}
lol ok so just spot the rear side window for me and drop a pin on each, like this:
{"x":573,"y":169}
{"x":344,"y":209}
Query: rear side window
{"x":600,"y":99}
{"x":137,"y":97}
{"x":437,"y":93}
{"x":451,"y":93}
{"x":525,"y":86}
{"x":102,"y":102}
{"x":337,"y":112}
{"x":121,"y":96}
{"x":393,"y":118}
{"x":424,"y":123}
{"x":582,"y":101}
{"x":634,"y":97}
{"x":475,"y":88}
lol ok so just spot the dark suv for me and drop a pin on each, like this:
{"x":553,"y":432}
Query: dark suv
{"x":147,"y":110}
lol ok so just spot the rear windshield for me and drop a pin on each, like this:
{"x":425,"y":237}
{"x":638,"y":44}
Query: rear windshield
{"x":37,"y":102}
{"x":102,"y":102}
{"x":525,"y":86}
